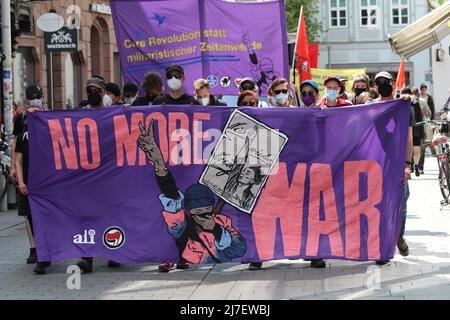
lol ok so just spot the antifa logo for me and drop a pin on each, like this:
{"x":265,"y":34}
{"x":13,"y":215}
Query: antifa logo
{"x":113,"y":238}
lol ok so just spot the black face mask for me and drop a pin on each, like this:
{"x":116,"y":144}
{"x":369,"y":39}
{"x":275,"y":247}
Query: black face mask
{"x":385,"y":90}
{"x":358,"y":91}
{"x":342,"y":90}
{"x":95,"y":99}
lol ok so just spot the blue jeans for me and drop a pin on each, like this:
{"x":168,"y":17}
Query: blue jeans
{"x":404,"y":207}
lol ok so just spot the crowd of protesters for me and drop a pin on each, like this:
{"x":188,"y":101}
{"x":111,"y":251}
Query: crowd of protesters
{"x":281,"y":93}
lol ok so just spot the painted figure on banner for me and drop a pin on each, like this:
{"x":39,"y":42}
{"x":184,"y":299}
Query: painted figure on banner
{"x":262,"y":69}
{"x":201,"y":234}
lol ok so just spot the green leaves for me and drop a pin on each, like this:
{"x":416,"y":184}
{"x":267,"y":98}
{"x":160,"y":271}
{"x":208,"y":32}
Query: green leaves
{"x":310,"y":8}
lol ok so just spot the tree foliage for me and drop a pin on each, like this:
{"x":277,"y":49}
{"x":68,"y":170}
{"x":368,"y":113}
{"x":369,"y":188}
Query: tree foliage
{"x":311,"y":9}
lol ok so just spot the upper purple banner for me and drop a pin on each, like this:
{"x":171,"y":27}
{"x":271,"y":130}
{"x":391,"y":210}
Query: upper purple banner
{"x":206,"y":185}
{"x":215,"y":40}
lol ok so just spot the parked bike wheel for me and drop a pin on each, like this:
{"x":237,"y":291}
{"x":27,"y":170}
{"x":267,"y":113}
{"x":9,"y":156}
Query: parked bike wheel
{"x":444,"y":179}
{"x":3,"y":183}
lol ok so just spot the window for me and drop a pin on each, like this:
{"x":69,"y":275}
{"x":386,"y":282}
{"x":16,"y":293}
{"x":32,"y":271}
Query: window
{"x":338,"y":13}
{"x":400,"y":12}
{"x":369,"y":13}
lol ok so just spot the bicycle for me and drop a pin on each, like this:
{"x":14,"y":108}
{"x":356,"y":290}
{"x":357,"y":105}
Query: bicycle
{"x":5,"y":167}
{"x":441,"y":142}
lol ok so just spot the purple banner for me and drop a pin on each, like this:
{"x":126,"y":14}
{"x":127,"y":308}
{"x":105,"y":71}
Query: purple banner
{"x":311,"y":183}
{"x":215,"y":40}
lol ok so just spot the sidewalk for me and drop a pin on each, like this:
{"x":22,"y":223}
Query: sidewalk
{"x":425,"y":274}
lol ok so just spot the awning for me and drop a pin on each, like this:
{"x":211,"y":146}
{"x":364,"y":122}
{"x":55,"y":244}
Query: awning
{"x":422,"y":34}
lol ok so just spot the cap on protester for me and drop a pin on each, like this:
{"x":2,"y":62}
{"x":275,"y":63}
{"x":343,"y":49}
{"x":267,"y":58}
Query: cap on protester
{"x":246,"y":79}
{"x":96,"y":82}
{"x":331,"y":78}
{"x":383,"y":74}
{"x":341,"y":78}
{"x":174,"y":67}
{"x":113,"y":88}
{"x":130,"y":89}
{"x":33,"y":89}
{"x":311,"y":83}
{"x":197,"y":196}
{"x":423,"y":85}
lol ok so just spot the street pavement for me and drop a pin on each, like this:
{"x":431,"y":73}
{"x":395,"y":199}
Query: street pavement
{"x":424,"y":274}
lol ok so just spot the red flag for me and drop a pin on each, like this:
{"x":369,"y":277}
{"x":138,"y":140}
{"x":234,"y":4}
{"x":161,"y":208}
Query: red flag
{"x":301,"y":53}
{"x":400,"y":83}
{"x":314,"y":55}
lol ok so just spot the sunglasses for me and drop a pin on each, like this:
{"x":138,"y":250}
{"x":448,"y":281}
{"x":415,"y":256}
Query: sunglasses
{"x":277,"y":92}
{"x":174,"y":75}
{"x":93,"y":91}
{"x":36,"y":97}
{"x":249,"y":103}
{"x":248,"y":87}
{"x":306,"y":93}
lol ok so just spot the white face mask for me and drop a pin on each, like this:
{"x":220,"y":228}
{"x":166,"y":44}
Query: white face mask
{"x":130,"y":100}
{"x":204,"y":101}
{"x":107,"y":100}
{"x":174,"y":83}
{"x":37,"y":103}
{"x":282,"y":98}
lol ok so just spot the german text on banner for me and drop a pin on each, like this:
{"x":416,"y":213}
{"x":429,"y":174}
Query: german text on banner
{"x":210,"y":185}
{"x":211,"y":39}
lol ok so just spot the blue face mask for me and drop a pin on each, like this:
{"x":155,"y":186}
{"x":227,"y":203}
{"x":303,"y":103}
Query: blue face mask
{"x":331,"y":95}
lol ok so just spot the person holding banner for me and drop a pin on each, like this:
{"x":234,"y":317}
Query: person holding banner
{"x":248,"y":84}
{"x":130,"y":92}
{"x":331,"y":99}
{"x":21,"y":164}
{"x":279,"y":91}
{"x":175,"y":80}
{"x":153,"y":88}
{"x":384,"y":85}
{"x":248,"y":99}
{"x":203,"y":94}
{"x":34,"y":101}
{"x":113,"y":95}
{"x":310,"y":93}
{"x":360,"y":85}
{"x":96,"y":91}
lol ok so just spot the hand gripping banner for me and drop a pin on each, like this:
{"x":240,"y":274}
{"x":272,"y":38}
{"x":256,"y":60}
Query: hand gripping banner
{"x":209,"y":185}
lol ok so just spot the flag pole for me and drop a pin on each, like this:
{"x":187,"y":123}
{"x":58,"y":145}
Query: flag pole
{"x":294,"y":59}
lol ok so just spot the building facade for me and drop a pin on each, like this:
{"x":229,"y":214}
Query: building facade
{"x":356,"y":36}
{"x":97,"y":53}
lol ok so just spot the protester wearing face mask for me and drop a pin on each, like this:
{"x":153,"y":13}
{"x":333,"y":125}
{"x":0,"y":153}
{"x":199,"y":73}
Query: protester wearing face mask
{"x":112,"y":95}
{"x":310,"y":93}
{"x":249,"y":84}
{"x":130,"y":93}
{"x":332,"y":86}
{"x":95,"y":90}
{"x":279,"y":92}
{"x":84,"y":103}
{"x":34,"y":101}
{"x":153,"y":88}
{"x":175,"y":80}
{"x":203,"y":94}
{"x":360,"y":85}
{"x":384,"y":86}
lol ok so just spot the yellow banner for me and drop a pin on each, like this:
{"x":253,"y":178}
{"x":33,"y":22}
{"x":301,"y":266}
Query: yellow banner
{"x":319,"y":76}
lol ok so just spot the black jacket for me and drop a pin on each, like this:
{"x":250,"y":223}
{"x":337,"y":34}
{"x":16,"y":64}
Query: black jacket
{"x":213,"y":101}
